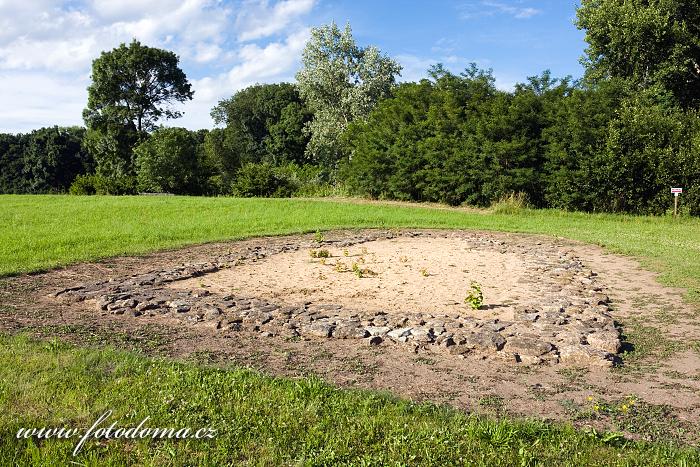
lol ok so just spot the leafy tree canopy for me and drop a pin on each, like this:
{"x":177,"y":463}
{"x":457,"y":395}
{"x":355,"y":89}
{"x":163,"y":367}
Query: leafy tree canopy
{"x":167,"y":161}
{"x":135,"y":86}
{"x":340,"y":82}
{"x":263,"y":123}
{"x":651,"y":43}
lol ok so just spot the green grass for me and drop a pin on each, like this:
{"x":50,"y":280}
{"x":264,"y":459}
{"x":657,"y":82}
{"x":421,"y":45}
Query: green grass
{"x":41,"y":232}
{"x":271,"y":421}
{"x":265,"y":421}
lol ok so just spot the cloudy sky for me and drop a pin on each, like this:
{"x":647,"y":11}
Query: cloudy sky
{"x":47,"y":46}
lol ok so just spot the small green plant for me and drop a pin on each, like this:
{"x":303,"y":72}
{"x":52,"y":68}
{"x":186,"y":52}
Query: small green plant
{"x":340,"y":266}
{"x":346,"y":253}
{"x":322,"y":261}
{"x":313,"y":253}
{"x":318,"y":236}
{"x":424,"y":272}
{"x":323,"y":254}
{"x":404,"y":259}
{"x":362,"y":272}
{"x":475,"y":297}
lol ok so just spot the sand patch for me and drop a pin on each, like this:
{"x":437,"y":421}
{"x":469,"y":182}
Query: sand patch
{"x":399,"y":275}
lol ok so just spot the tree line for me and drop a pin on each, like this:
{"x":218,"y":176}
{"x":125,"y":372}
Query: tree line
{"x":614,"y":141}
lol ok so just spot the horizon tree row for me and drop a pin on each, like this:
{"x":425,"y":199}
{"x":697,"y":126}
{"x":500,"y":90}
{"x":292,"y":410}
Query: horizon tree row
{"x":614,"y":141}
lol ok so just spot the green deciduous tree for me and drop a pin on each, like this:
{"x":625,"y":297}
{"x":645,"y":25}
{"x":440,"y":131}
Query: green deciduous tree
{"x":341,"y":83}
{"x":262,"y":123}
{"x":648,"y":42}
{"x":168,"y":162}
{"x":135,"y":86}
{"x":43,"y":161}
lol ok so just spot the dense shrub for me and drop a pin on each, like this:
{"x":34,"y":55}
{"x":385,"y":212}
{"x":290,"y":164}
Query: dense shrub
{"x":95,"y":184}
{"x":261,"y":180}
{"x":167,"y":162}
{"x":268,"y":180}
{"x":43,"y":161}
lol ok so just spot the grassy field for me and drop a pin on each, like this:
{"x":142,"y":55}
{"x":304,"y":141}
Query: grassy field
{"x":40,"y":232}
{"x":270,"y":421}
{"x":264,"y":421}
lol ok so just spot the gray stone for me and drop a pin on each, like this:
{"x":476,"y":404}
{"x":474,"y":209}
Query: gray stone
{"x":349,"y":330}
{"x":399,"y":333}
{"x":378,"y":330}
{"x":605,"y":340}
{"x":374,"y":340}
{"x":484,"y":341}
{"x":179,"y":306}
{"x":318,"y":329}
{"x":525,"y":346}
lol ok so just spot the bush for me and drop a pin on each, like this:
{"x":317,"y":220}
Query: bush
{"x":93,"y":184}
{"x":83,"y":185}
{"x":260,"y":180}
{"x":268,"y":180}
{"x":167,"y":162}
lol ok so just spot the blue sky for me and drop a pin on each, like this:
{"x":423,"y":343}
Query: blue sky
{"x":46,"y":46}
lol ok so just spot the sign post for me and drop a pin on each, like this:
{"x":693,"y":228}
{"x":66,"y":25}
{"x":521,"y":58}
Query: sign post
{"x":676,"y":192}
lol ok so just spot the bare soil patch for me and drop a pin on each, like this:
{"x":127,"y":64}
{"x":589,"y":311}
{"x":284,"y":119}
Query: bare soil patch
{"x":658,"y":364}
{"x":404,"y":275}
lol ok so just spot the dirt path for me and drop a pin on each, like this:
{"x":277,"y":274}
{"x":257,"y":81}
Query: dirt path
{"x":654,"y":394}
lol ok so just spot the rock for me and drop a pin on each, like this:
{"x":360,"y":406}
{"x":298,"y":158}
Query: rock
{"x":349,"y":330}
{"x":378,"y":330}
{"x":318,"y":329}
{"x":374,"y":340}
{"x":605,"y":340}
{"x":527,"y":347}
{"x":485,"y":341}
{"x":399,"y":333}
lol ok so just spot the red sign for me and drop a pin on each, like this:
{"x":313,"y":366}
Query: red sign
{"x":676,"y":190}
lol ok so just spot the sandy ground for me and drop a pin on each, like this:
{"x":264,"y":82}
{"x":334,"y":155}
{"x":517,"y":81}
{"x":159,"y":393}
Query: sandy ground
{"x":661,"y":365}
{"x":400,"y":275}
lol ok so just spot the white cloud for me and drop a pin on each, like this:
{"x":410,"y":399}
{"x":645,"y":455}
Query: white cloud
{"x":272,"y":63}
{"x":515,"y":9}
{"x":31,"y":100}
{"x":260,"y":20}
{"x":47,"y":47}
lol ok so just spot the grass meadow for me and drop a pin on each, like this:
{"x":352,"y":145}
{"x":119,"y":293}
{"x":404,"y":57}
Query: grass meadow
{"x":261,"y":420}
{"x":39,"y":232}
